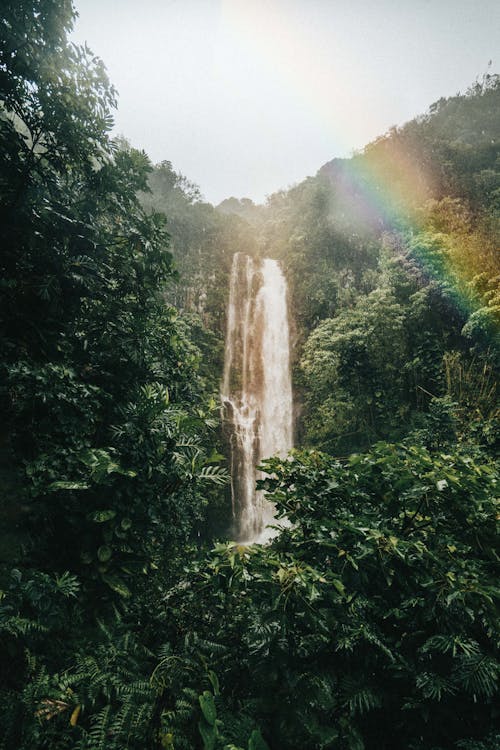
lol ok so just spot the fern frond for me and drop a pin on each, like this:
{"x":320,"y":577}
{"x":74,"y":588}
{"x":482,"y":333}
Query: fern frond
{"x":478,"y":674}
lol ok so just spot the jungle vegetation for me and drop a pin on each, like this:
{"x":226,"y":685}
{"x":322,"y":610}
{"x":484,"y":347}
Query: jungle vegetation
{"x":127,"y":618}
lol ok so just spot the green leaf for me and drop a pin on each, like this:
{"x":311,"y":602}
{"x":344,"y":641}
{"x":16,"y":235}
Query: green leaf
{"x":214,"y":681}
{"x":117,"y":585}
{"x":339,"y":586}
{"x":256,"y":741}
{"x":104,"y":553}
{"x":208,"y":735}
{"x":100,"y":516}
{"x":55,"y":486}
{"x":215,"y":474}
{"x":208,"y":708}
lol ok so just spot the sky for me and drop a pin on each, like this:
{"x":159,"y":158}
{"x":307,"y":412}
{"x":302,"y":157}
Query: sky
{"x":246,"y":97}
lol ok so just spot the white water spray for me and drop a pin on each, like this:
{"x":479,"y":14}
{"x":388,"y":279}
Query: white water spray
{"x":257,"y":387}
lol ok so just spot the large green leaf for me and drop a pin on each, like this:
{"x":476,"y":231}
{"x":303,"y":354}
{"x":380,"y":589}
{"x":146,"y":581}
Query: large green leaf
{"x":256,"y":741}
{"x":207,"y":704}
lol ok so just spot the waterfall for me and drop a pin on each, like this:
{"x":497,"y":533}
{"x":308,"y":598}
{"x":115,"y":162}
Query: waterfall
{"x":257,"y":387}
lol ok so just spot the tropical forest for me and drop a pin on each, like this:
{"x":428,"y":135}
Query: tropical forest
{"x":249,"y":492}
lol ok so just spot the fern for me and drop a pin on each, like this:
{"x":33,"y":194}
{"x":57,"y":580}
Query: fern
{"x":358,"y":699}
{"x":450,"y":644}
{"x":478,"y":674}
{"x":434,"y":686}
{"x":99,"y":732}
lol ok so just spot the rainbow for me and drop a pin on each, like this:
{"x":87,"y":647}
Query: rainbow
{"x":396,"y":191}
{"x":390,"y":186}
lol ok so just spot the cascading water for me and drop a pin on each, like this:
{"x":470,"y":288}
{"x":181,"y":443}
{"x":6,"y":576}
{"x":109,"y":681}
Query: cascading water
{"x":257,"y":386}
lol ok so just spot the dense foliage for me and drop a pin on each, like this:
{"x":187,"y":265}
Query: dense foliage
{"x":104,"y":457}
{"x":394,"y":267}
{"x":371,"y":622}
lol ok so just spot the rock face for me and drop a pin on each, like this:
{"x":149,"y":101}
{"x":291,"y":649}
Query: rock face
{"x":257,"y":388}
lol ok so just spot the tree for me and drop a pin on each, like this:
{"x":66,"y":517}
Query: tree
{"x":103,"y":436}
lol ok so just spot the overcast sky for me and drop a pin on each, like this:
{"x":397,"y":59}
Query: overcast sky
{"x":245,"y":97}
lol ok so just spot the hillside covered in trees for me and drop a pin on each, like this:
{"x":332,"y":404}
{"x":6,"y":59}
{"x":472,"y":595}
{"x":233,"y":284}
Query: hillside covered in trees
{"x":128,"y":617}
